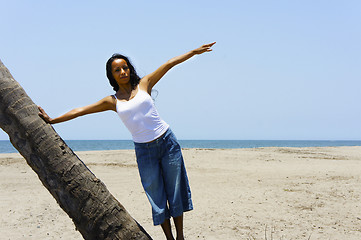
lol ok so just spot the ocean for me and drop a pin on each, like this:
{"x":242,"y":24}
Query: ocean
{"x":95,"y":145}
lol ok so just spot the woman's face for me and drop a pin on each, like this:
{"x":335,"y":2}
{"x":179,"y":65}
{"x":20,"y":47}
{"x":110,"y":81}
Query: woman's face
{"x":120,"y":71}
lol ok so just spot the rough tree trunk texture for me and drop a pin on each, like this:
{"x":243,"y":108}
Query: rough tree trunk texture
{"x":94,"y":211}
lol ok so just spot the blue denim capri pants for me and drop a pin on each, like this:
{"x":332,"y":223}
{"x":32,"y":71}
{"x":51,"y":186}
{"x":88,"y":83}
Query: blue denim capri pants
{"x":164,"y":178}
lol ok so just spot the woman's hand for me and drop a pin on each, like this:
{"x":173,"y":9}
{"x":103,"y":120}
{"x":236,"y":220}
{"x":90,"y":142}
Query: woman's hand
{"x":204,"y":48}
{"x":44,"y":115}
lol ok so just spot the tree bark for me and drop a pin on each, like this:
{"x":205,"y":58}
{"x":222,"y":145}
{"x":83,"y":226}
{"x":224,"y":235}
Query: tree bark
{"x":95,"y":212}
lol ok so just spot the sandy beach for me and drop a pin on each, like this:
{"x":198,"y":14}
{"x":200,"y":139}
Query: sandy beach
{"x":285,"y":193}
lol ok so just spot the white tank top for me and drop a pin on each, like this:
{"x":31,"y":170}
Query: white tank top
{"x":141,"y":117}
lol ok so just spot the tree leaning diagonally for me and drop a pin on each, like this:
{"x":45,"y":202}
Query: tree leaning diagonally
{"x":94,"y":211}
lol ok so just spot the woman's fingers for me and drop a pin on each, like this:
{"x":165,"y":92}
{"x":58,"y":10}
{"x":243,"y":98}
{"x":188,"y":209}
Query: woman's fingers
{"x":41,"y":111}
{"x":43,"y":114}
{"x":205,"y":48}
{"x":210,"y":44}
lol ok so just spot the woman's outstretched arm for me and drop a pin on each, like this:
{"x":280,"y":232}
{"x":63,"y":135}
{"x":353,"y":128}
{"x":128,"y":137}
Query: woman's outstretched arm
{"x":107,"y":103}
{"x":151,"y":79}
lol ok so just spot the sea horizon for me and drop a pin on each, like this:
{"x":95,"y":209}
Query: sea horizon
{"x":99,"y":145}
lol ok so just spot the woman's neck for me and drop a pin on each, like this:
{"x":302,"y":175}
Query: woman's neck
{"x":125,"y":89}
{"x":126,"y":92}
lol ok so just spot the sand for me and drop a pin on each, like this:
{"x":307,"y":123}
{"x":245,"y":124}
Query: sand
{"x":283,"y":193}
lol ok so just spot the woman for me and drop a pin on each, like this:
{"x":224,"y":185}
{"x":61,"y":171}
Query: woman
{"x":158,"y":154}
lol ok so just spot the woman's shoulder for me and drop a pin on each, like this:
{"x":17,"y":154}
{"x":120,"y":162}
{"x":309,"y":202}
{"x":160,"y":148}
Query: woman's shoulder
{"x":110,"y":101}
{"x":143,"y":85}
{"x":109,"y":98}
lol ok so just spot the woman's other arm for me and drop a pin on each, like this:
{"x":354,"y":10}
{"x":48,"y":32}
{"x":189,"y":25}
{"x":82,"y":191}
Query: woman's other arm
{"x":150,"y":80}
{"x":107,"y":103}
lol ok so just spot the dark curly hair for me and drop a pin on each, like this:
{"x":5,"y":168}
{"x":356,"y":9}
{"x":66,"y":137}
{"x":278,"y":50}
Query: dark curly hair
{"x":134,"y":78}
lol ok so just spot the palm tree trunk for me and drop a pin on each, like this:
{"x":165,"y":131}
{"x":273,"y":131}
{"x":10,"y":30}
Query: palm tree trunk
{"x":94,"y":211}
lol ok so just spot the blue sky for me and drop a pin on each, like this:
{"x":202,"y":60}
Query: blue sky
{"x":279,"y":70}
